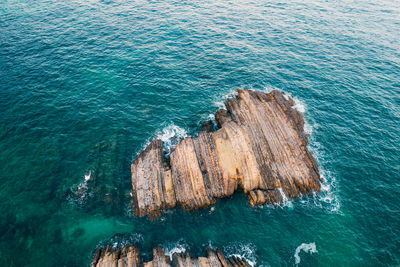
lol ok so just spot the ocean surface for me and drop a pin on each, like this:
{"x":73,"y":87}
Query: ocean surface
{"x":85,"y":85}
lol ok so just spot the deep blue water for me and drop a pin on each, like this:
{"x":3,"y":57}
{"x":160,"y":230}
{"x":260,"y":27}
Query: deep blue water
{"x":86,"y":84}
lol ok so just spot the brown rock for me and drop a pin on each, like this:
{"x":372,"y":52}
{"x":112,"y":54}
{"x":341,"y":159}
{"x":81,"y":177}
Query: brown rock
{"x":152,"y":185}
{"x":159,"y":259}
{"x":109,"y":257}
{"x":208,"y":126}
{"x":221,"y":116}
{"x":260,"y":147}
{"x":129,"y":256}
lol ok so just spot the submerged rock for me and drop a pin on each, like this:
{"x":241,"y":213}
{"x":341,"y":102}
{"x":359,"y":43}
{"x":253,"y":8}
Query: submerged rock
{"x":130,"y":256}
{"x":260,"y":147}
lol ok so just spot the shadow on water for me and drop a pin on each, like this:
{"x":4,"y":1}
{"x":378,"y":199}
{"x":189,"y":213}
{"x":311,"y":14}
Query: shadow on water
{"x":105,"y":185}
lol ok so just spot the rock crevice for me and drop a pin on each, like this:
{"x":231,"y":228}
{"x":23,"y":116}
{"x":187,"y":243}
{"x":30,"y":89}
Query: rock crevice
{"x":260,"y":147}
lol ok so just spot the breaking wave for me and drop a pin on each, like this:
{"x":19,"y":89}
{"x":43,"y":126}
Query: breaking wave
{"x":178,"y":247}
{"x":244,"y":251}
{"x":328,"y":196}
{"x":81,"y":192}
{"x":219,"y":102}
{"x":171,"y":136}
{"x":286,"y":202}
{"x":308,"y":248}
{"x":299,"y":105}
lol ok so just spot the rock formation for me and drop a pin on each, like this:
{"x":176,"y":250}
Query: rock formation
{"x":129,"y":256}
{"x":260,"y":147}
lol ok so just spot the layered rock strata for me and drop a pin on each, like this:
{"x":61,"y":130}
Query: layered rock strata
{"x":260,"y":147}
{"x":129,"y":256}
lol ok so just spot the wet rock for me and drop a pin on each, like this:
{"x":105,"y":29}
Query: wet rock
{"x":129,"y":256}
{"x":208,"y":126}
{"x":222,"y":116}
{"x":260,"y":147}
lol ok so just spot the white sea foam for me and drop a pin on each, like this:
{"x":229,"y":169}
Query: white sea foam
{"x":308,"y":248}
{"x":328,"y":197}
{"x":308,"y":129}
{"x":82,"y":186}
{"x":269,"y":89}
{"x":328,"y":191}
{"x":178,"y":247}
{"x":212,"y":209}
{"x":220,"y":100}
{"x":171,"y":135}
{"x":211,"y":117}
{"x":220,"y":104}
{"x":299,"y":105}
{"x":210,"y":245}
{"x":244,"y":251}
{"x":80,"y":192}
{"x":286,"y":95}
{"x":285,"y":200}
{"x":88,"y":176}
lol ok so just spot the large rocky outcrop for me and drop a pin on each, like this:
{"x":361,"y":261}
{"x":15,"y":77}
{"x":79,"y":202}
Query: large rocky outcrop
{"x":260,"y":147}
{"x":129,"y":256}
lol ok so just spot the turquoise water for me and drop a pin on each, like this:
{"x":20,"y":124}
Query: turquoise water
{"x":86,"y":84}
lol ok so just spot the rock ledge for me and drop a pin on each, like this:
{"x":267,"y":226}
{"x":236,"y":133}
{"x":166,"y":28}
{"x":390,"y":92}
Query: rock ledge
{"x":260,"y":147}
{"x":129,"y":256}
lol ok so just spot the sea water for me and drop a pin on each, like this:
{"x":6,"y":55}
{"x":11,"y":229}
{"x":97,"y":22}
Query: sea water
{"x":85,"y":85}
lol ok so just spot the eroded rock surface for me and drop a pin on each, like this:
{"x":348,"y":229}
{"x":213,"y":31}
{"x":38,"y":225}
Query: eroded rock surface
{"x":260,"y":146}
{"x":129,"y":256}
